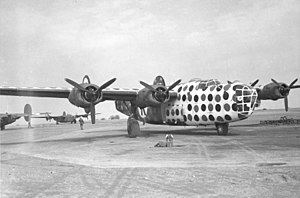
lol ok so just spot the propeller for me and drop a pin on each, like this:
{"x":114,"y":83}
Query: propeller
{"x":161,"y":93}
{"x":92,"y":94}
{"x":254,"y":83}
{"x":284,"y":90}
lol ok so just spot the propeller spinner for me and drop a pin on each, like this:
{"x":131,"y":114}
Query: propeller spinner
{"x":91,"y":94}
{"x":285,"y":89}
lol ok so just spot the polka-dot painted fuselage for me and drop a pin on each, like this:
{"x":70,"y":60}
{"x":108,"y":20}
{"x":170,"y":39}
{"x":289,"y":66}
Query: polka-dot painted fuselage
{"x":207,"y":102}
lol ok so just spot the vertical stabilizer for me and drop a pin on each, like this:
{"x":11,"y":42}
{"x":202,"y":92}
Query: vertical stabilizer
{"x":28,"y":112}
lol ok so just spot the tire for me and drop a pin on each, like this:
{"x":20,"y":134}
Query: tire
{"x":133,"y":128}
{"x":222,"y":128}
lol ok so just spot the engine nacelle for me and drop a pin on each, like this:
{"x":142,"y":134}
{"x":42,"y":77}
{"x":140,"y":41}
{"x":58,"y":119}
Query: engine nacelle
{"x":273,"y":91}
{"x":83,"y":99}
{"x":148,"y":98}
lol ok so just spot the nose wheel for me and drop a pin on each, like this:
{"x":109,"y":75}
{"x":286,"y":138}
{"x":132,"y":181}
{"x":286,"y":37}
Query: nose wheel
{"x":222,"y":128}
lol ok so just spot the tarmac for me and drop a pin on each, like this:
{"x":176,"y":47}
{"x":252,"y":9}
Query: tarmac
{"x":52,"y":160}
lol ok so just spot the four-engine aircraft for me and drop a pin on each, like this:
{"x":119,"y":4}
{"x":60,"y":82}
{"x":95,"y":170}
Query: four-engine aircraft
{"x":8,"y":118}
{"x":193,"y":103}
{"x":64,"y":117}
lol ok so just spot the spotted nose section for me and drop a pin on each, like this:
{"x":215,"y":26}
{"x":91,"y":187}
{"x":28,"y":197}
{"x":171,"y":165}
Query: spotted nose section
{"x":245,"y":98}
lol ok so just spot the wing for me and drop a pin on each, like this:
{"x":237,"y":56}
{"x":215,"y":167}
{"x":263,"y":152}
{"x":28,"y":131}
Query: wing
{"x":126,"y":94}
{"x":44,"y":115}
{"x":53,"y":92}
{"x":84,"y":115}
{"x":57,"y":92}
{"x":81,"y":115}
{"x":120,"y":94}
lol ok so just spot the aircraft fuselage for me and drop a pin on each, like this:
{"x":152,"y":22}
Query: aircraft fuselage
{"x":8,"y":119}
{"x":205,"y":102}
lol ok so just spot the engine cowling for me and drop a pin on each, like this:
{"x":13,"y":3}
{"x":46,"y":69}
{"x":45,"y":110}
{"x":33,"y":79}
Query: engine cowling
{"x":83,"y":99}
{"x":276,"y":90}
{"x":87,"y":95}
{"x":273,"y":91}
{"x":149,"y":98}
{"x":154,"y":95}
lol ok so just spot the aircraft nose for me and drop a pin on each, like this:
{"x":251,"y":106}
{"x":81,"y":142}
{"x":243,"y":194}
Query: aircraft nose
{"x":246,"y":97}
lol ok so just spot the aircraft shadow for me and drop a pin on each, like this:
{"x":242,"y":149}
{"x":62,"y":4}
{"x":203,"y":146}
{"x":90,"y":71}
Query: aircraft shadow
{"x":190,"y":131}
{"x":144,"y":133}
{"x":78,"y":139}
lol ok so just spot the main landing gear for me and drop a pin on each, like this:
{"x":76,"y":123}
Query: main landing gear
{"x":222,"y":128}
{"x":133,"y":127}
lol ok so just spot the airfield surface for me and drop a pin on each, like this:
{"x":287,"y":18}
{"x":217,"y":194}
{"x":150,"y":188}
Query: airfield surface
{"x":102,"y":161}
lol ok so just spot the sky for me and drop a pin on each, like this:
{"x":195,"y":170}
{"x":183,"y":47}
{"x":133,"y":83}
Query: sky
{"x":43,"y":42}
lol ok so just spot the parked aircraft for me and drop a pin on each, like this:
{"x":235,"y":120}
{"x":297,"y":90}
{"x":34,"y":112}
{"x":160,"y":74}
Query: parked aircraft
{"x":8,"y":118}
{"x":64,"y":117}
{"x":193,"y":103}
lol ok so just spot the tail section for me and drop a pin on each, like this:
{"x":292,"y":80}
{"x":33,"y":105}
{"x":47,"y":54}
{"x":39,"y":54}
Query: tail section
{"x":27,"y":112}
{"x":159,"y":80}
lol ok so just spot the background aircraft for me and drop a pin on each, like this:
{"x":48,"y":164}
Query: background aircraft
{"x":193,"y":103}
{"x":8,"y":118}
{"x":64,"y":117}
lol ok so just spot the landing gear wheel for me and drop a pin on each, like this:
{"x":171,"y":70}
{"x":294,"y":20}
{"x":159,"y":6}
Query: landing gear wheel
{"x":2,"y":127}
{"x":133,"y":127}
{"x":222,"y":128}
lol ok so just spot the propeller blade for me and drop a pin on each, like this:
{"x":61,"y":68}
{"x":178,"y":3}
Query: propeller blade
{"x":75,"y":84}
{"x":254,"y":83}
{"x":148,"y":86}
{"x":173,"y":85}
{"x":294,"y":87}
{"x":229,"y":82}
{"x":108,"y":83}
{"x":274,"y":81}
{"x":286,"y":104}
{"x":93,"y":113}
{"x":293,"y":82}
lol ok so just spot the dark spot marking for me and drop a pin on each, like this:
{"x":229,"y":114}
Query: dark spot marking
{"x":196,"y":118}
{"x":179,"y":89}
{"x":189,"y":107}
{"x":203,"y":97}
{"x":203,"y":107}
{"x":218,"y":107}
{"x":191,"y":88}
{"x":190,"y":117}
{"x":185,"y":87}
{"x":196,"y":108}
{"x":218,"y":98}
{"x":225,"y":95}
{"x":210,"y":97}
{"x":227,"y":117}
{"x":210,"y":107}
{"x":227,"y":107}
{"x":196,"y":98}
{"x":234,"y":107}
{"x":220,"y":119}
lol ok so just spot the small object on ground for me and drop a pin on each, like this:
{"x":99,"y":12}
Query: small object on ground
{"x":161,"y":144}
{"x":169,"y":140}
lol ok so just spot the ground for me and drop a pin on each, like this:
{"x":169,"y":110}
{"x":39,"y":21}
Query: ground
{"x":102,"y":161}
